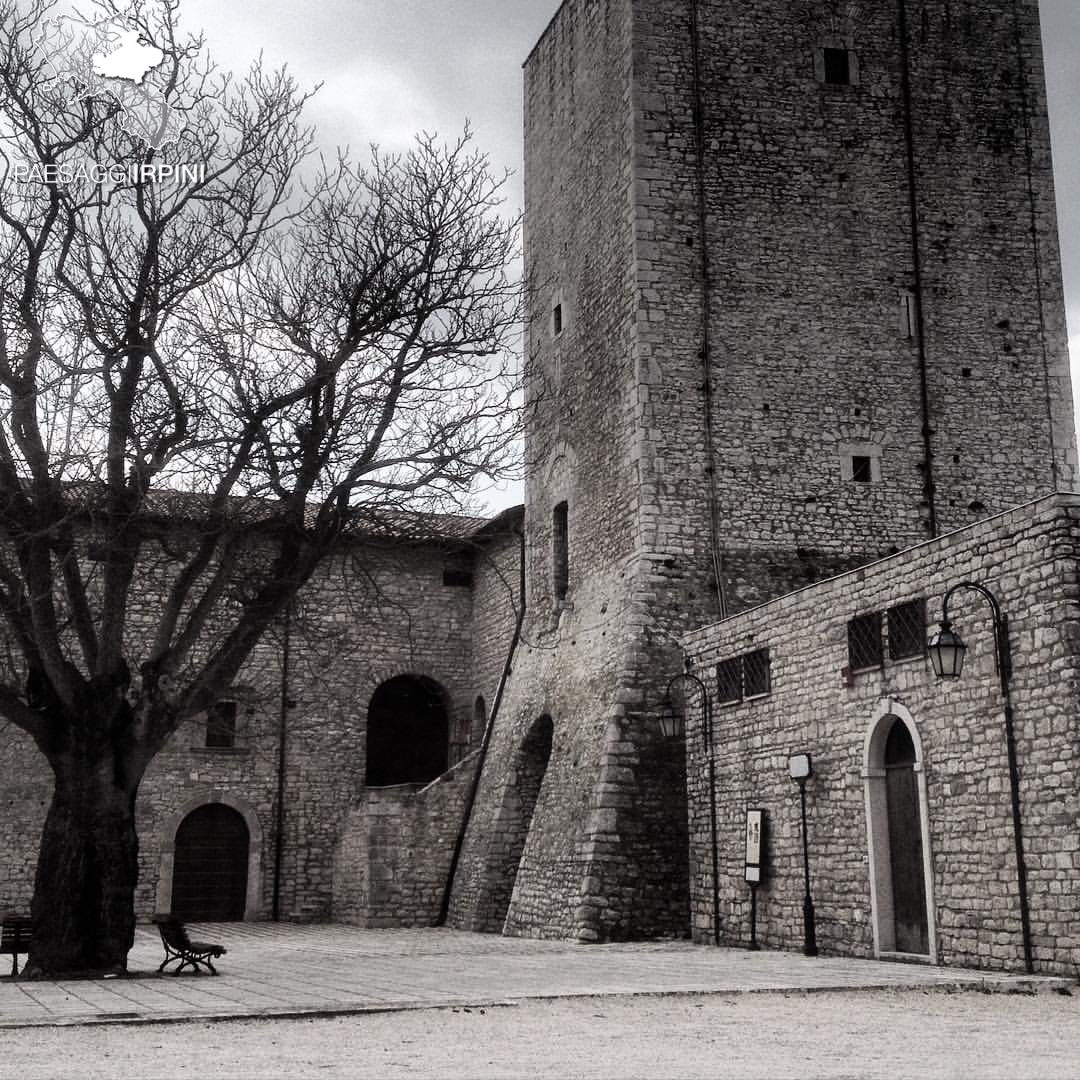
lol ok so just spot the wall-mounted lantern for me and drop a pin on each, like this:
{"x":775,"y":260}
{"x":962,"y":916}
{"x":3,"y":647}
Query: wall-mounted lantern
{"x":947,"y":657}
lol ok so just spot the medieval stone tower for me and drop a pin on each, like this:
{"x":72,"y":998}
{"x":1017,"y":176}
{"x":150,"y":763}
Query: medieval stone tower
{"x":796,"y":304}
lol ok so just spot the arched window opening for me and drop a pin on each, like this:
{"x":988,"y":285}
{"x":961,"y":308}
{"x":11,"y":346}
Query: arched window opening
{"x":408,"y":732}
{"x":210,"y":868}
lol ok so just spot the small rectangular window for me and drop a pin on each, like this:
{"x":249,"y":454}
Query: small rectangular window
{"x":907,"y":629}
{"x":729,"y":680}
{"x":837,"y":67}
{"x":556,"y":319}
{"x":221,"y":725}
{"x":756,"y":673}
{"x":560,"y":551}
{"x":864,"y":641}
{"x":907,"y":315}
{"x":862,"y":471}
{"x":458,"y":579}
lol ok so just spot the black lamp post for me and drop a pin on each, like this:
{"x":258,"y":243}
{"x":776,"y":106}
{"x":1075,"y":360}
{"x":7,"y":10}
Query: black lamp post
{"x":947,"y":656}
{"x":672,"y":727}
{"x":800,"y":770}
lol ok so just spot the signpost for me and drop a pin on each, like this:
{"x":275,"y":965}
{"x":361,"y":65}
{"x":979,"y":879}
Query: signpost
{"x":754,"y":865}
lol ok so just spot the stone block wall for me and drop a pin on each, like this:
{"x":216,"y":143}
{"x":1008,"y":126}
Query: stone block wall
{"x":1030,"y":559}
{"x":816,"y":235}
{"x":720,"y":246}
{"x":583,"y":860}
{"x":394,"y":852}
{"x":376,"y":611}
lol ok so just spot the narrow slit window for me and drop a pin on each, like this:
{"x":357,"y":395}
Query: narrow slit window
{"x":560,"y":542}
{"x":556,"y":320}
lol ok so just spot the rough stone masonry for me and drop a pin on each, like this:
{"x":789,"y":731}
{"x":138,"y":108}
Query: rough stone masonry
{"x":795,"y":307}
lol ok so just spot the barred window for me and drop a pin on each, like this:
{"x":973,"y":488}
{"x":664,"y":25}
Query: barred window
{"x":729,"y":680}
{"x":756,"y":673}
{"x":743,"y":676}
{"x":907,"y":629}
{"x":221,"y":725}
{"x":864,"y":641}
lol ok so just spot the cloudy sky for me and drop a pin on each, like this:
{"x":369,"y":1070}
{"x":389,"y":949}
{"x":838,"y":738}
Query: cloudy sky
{"x":392,"y":67}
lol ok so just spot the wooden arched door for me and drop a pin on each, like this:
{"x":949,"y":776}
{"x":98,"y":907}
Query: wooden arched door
{"x":905,"y":843}
{"x":210,"y":867}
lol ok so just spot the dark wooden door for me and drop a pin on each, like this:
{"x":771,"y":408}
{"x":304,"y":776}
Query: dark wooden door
{"x":905,"y":843}
{"x":210,"y":865}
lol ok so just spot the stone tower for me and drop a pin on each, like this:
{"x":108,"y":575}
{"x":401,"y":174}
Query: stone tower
{"x":795,"y":304}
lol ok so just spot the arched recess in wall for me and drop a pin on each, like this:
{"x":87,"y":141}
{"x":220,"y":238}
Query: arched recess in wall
{"x":408,"y":732}
{"x":898,"y":828}
{"x":511,"y":829}
{"x":213,"y":815}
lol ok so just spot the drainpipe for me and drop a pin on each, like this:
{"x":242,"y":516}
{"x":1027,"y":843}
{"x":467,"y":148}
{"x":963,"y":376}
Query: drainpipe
{"x":283,"y":719}
{"x":705,"y":273}
{"x":916,"y":264}
{"x":470,"y":802}
{"x":1033,"y":227}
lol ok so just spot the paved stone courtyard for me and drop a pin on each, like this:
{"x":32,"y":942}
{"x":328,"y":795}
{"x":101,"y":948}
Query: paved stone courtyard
{"x":302,"y":970}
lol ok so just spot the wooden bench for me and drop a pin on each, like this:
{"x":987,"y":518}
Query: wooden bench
{"x":178,"y":946}
{"x":15,"y":934}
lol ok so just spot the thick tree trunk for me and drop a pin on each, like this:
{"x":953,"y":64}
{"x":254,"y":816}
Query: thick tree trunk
{"x":84,"y":894}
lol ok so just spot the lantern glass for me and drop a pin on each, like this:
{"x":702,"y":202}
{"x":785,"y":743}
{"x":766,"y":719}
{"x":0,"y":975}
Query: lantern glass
{"x":671,"y":722}
{"x":946,"y":653}
{"x":799,"y":767}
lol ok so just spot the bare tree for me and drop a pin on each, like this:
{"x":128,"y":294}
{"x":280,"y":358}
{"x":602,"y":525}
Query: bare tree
{"x":272,"y":353}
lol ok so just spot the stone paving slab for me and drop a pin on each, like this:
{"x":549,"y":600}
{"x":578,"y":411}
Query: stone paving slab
{"x":290,"y":970}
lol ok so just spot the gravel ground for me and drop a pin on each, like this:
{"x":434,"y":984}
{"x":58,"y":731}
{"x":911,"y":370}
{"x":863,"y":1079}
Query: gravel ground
{"x":865,"y":1034}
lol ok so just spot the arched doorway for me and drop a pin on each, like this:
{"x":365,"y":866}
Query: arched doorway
{"x":408,"y":732}
{"x":515,"y":817}
{"x":910,"y":930}
{"x":210,"y":865}
{"x":899,"y":833}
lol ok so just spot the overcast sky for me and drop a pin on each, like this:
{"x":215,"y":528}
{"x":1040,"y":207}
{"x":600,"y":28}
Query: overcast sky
{"x":393,"y":67}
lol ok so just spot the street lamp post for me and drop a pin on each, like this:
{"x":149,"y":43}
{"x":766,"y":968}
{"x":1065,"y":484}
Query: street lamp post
{"x":671,"y":724}
{"x":800,"y":770}
{"x":947,"y":656}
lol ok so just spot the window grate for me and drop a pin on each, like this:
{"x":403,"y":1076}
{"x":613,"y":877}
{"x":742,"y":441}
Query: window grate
{"x":907,"y":629}
{"x":729,"y":680}
{"x":864,"y":641}
{"x":221,"y":726}
{"x":756,"y":673}
{"x":743,"y":676}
